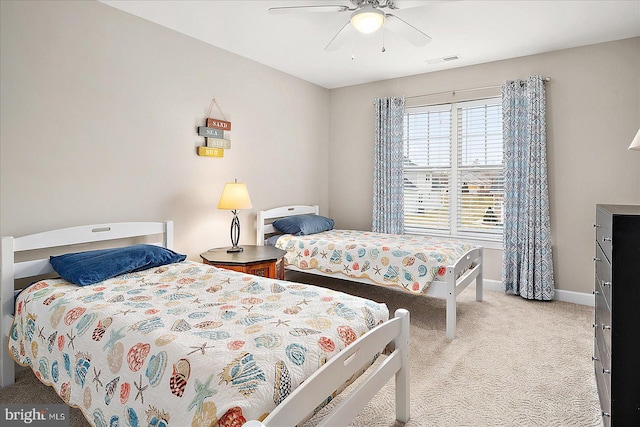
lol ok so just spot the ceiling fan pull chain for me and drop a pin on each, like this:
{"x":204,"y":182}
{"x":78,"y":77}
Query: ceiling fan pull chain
{"x":353,"y":55}
{"x":383,"y":33}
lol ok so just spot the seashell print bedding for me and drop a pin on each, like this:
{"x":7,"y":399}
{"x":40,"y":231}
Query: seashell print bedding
{"x":182,"y":344}
{"x":409,"y":262}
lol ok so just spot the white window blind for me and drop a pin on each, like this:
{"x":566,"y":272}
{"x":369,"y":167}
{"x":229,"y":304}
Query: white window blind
{"x":453,"y":175}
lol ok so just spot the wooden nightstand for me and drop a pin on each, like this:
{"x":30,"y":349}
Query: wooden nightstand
{"x":265,"y":261}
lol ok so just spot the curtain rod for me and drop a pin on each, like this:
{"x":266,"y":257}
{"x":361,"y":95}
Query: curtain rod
{"x":544,"y":79}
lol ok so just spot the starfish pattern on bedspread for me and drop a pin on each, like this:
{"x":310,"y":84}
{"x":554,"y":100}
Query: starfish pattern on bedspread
{"x":202,"y":392}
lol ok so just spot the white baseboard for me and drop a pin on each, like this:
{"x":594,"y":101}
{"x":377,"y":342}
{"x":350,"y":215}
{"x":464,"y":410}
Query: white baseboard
{"x":560,"y":295}
{"x":491,"y":285}
{"x":575,"y":297}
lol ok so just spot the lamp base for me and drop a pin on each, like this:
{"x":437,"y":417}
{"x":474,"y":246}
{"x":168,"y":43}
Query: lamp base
{"x":235,"y":234}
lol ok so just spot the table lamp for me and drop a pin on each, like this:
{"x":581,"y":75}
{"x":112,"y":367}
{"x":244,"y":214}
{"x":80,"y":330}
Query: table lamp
{"x":235,"y":197}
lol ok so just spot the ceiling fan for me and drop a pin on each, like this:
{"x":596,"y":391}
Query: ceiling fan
{"x":367,"y":16}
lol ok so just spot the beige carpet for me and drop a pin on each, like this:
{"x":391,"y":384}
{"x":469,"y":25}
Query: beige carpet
{"x":514,"y":363}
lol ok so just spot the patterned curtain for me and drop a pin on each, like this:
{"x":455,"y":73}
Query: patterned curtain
{"x":388,"y":196}
{"x":527,"y":268}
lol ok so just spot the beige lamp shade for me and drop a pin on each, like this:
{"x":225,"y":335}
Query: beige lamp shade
{"x":635,"y":144}
{"x":235,"y":196}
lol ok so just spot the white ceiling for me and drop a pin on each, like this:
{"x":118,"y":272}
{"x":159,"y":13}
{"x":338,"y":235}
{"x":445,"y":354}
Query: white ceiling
{"x":476,"y":31}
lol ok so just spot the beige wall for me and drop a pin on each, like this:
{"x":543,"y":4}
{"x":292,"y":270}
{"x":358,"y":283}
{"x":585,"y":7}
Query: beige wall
{"x":593,"y":112}
{"x":98,"y":124}
{"x":99,"y":109}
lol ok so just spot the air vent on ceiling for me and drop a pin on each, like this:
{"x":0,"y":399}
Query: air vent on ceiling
{"x":443,"y":59}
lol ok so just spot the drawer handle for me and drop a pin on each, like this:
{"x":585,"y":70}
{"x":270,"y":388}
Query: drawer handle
{"x":606,"y":414}
{"x":593,"y":358}
{"x":606,"y":327}
{"x":595,"y":325}
{"x":596,"y":292}
{"x":606,"y":283}
{"x":597,"y":225}
{"x":606,"y":371}
{"x":596,"y":259}
{"x":606,"y":239}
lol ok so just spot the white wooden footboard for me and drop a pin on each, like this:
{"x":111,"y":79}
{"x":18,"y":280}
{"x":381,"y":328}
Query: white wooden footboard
{"x":459,"y":275}
{"x":299,"y":404}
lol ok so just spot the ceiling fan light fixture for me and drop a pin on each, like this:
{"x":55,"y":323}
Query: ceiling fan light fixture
{"x":367,"y":20}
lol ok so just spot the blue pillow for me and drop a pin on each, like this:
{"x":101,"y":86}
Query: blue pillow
{"x":301,"y":225}
{"x":87,"y":268}
{"x":271,"y":241}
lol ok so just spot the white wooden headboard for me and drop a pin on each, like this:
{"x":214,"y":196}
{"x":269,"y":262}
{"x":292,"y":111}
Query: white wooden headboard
{"x":266,"y":218}
{"x":11,"y":270}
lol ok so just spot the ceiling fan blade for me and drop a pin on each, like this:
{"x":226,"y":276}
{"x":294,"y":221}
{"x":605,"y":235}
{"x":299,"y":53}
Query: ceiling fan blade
{"x":406,"y":30}
{"x":307,"y":9}
{"x":341,"y":36}
{"x":406,"y":4}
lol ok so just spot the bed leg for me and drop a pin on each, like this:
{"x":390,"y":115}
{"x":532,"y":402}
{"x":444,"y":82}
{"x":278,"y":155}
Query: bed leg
{"x":479,"y":279}
{"x":7,"y":373}
{"x":7,"y":365}
{"x":451,"y":303}
{"x":7,"y":254}
{"x":403,"y":395}
{"x":451,"y":315}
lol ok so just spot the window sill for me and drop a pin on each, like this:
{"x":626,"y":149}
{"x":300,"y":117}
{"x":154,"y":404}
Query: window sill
{"x":488,"y":244}
{"x":485,"y":243}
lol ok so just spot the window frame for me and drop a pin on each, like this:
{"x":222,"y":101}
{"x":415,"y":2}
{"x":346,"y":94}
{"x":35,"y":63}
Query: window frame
{"x":488,"y":240}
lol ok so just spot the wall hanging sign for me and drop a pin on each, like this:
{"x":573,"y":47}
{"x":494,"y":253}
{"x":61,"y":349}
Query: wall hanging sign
{"x":218,"y":143}
{"x":210,"y":152}
{"x":210,"y":132}
{"x":218,"y":124}
{"x":214,"y":134}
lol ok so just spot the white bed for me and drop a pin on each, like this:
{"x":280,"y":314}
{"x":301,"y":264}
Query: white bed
{"x":465,"y":269}
{"x":301,"y":401}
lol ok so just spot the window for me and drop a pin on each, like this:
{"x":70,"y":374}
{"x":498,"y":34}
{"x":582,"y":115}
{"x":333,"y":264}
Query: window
{"x":453,"y":174}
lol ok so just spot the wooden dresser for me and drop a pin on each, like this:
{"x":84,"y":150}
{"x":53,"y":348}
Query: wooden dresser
{"x":616,"y":356}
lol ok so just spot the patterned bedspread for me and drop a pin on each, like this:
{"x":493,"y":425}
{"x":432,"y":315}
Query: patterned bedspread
{"x":407,"y":261}
{"x":185,"y":344}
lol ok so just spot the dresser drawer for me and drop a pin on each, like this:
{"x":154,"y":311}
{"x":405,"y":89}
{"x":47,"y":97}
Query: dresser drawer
{"x":603,"y":355}
{"x":603,"y":276}
{"x":605,"y":397}
{"x":604,"y":231}
{"x":603,"y":386}
{"x":603,"y":322}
